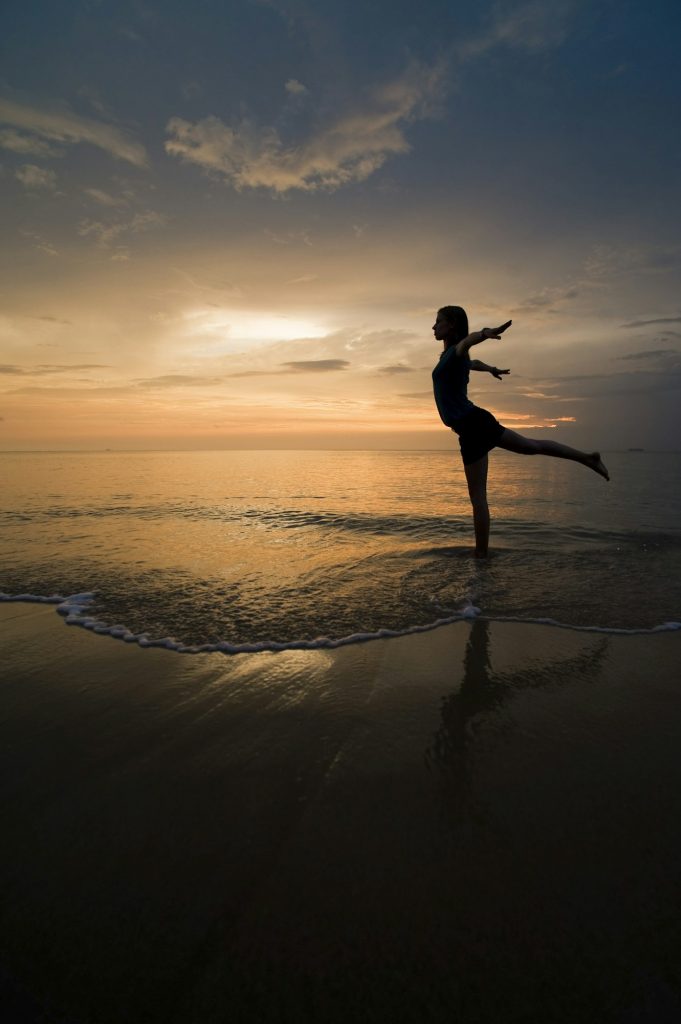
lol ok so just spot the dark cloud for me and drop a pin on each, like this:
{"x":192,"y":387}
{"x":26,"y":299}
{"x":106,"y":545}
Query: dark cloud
{"x":415,"y":394}
{"x":396,"y":368}
{"x":654,"y":353}
{"x":65,"y":367}
{"x":298,"y":366}
{"x":659,"y":320}
{"x":637,"y":382}
{"x":547,"y":301}
{"x":316,"y":365}
{"x":644,"y":384}
{"x":172,"y":380}
{"x":607,"y":262}
{"x":256,"y":373}
{"x":47,"y":368}
{"x":64,"y":390}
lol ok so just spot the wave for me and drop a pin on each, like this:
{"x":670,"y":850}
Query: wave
{"x":74,"y":610}
{"x":417,"y":527}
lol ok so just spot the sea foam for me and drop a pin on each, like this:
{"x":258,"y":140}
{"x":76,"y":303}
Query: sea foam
{"x":74,"y":610}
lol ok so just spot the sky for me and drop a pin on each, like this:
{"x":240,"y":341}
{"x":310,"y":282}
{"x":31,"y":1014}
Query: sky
{"x":229,"y":223}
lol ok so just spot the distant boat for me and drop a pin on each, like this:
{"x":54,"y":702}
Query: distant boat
{"x":635,"y":449}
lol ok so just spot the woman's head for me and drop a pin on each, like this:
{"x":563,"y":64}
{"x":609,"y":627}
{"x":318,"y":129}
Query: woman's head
{"x":451,"y":324}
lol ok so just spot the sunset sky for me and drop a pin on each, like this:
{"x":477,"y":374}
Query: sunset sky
{"x":229,"y":224}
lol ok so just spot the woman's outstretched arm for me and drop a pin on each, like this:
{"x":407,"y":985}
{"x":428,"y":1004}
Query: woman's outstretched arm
{"x":484,"y":335}
{"x":477,"y":364}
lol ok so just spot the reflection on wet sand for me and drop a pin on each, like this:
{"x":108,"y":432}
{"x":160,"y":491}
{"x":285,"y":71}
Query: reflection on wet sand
{"x":467,"y":711}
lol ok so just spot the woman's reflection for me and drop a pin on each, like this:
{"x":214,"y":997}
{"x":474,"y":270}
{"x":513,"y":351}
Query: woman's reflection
{"x":469,"y":709}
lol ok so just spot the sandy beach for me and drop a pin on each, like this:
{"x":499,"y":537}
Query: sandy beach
{"x":476,"y":823}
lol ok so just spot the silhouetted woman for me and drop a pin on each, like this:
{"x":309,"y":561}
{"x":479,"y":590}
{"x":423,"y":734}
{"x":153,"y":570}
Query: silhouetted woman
{"x":478,"y":430}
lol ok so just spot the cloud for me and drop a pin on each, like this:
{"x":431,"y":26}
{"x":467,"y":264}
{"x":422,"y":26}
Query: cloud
{"x":303,"y":279}
{"x":316,"y":365}
{"x":27,"y":145}
{"x":606,"y":261}
{"x":367,"y":349}
{"x":630,"y":382}
{"x":373,"y":346}
{"x":290,"y":237}
{"x":190,"y":90}
{"x":219,"y":287}
{"x":78,"y":393}
{"x":531,"y":26}
{"x":104,"y":198}
{"x":171,"y":380}
{"x":60,"y":124}
{"x":346,"y":150}
{"x":295,"y":88}
{"x":32,"y":177}
{"x":548,"y":300}
{"x":131,"y":34}
{"x":39,"y":243}
{"x":105,"y":234}
{"x":658,"y":320}
{"x":298,"y":366}
{"x":394,"y":369}
{"x":655,"y":353}
{"x":44,"y":369}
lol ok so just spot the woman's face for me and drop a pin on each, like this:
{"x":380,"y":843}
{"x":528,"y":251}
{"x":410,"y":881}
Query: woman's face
{"x":442,"y":327}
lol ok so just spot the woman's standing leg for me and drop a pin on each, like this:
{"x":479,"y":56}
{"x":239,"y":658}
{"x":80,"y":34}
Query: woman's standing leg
{"x":476,"y":477}
{"x":513,"y":442}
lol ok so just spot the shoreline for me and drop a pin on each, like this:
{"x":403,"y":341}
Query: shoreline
{"x":459,"y":822}
{"x":73,"y":610}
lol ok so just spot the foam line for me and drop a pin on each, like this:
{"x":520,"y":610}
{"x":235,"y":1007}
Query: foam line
{"x":663,"y":627}
{"x":74,"y":611}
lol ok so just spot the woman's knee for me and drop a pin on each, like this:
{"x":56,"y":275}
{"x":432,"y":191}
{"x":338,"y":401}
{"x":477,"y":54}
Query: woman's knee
{"x":478,"y":501}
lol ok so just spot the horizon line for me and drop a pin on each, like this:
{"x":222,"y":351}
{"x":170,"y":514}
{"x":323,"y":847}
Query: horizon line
{"x":188,"y":451}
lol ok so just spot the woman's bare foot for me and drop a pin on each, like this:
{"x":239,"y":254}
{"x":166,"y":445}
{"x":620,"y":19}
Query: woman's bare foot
{"x":593,"y":461}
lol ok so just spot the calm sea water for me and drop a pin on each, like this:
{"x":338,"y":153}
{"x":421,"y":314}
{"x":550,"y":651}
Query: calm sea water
{"x":269,"y":548}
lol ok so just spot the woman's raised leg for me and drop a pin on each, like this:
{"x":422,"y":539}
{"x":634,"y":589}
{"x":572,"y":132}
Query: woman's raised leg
{"x":476,"y":477}
{"x":514,"y":442}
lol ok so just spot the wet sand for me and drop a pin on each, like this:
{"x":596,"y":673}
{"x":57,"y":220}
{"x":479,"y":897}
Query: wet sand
{"x":475,"y":824}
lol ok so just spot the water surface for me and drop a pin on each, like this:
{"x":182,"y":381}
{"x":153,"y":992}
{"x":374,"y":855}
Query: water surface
{"x":285,"y":547}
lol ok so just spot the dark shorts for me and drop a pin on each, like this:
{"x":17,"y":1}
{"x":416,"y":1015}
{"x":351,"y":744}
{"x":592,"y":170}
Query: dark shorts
{"x":478,"y":432}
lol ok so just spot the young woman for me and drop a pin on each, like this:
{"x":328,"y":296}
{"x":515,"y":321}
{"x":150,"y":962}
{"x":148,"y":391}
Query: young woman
{"x":478,"y":430}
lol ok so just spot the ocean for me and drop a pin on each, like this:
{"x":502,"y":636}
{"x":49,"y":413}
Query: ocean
{"x":269,"y":550}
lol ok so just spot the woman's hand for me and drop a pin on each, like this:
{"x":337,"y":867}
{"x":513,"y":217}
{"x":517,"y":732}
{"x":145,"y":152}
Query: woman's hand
{"x":496,"y":372}
{"x":495,"y":333}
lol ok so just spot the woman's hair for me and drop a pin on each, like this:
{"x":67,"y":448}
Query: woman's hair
{"x":457,"y":317}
